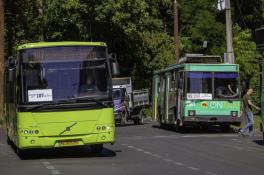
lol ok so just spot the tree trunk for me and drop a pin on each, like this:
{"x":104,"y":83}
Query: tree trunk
{"x":2,"y":45}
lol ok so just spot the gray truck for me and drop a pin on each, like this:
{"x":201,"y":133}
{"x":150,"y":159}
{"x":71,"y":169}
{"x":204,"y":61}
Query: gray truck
{"x":129,"y":104}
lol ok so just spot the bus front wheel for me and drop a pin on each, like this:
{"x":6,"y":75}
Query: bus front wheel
{"x":97,"y":149}
{"x":8,"y":140}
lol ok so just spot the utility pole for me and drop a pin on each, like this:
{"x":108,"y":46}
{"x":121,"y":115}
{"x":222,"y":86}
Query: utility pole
{"x":176,"y":31}
{"x":229,"y":36}
{"x":2,"y":45}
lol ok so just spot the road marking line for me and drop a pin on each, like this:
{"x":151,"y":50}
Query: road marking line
{"x":193,"y":168}
{"x":146,"y":152}
{"x":129,"y":146}
{"x":138,"y":149}
{"x":157,"y":156}
{"x":50,"y":167}
{"x":46,"y":163}
{"x":168,"y":160}
{"x":209,"y":136}
{"x":55,"y":172}
{"x":161,"y":136}
{"x":210,"y":173}
{"x":178,"y":163}
{"x":124,"y":144}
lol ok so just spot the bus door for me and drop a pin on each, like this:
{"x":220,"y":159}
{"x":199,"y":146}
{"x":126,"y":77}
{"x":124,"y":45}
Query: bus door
{"x":180,"y":96}
{"x":161,"y":100}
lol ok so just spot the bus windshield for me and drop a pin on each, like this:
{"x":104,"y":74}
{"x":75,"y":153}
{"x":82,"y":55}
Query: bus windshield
{"x":208,"y":85}
{"x":226,"y":85}
{"x":61,"y":73}
{"x":199,"y":82}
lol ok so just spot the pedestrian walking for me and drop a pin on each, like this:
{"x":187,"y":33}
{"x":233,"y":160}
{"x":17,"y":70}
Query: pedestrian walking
{"x":247,"y":107}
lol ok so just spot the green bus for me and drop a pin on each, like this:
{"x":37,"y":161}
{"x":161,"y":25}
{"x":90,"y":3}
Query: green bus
{"x":59,"y":94}
{"x":196,"y":92}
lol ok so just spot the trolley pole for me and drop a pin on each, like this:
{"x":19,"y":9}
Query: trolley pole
{"x":176,"y":31}
{"x":2,"y":45}
{"x":229,"y":37}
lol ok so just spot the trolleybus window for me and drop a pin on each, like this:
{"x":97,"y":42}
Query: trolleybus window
{"x":226,"y":85}
{"x":199,"y":82}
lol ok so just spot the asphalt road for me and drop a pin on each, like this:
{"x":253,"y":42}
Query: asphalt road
{"x":146,"y":149}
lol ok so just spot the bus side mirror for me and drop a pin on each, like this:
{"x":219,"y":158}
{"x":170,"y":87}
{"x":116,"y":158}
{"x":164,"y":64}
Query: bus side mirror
{"x":11,"y":74}
{"x":11,"y":69}
{"x":114,"y":64}
{"x":115,"y":69}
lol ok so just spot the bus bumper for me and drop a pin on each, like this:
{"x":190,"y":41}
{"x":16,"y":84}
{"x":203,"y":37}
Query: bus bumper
{"x":28,"y":142}
{"x":212,"y":120}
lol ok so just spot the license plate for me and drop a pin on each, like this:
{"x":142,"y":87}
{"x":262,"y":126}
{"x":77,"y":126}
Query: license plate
{"x":68,"y":142}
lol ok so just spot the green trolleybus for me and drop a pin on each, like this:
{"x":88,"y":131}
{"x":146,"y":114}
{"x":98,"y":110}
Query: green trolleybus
{"x":59,"y":94}
{"x":199,"y":91}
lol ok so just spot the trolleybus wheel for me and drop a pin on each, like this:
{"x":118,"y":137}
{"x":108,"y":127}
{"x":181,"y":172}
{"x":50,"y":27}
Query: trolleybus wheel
{"x":177,"y":126}
{"x":225,"y":127}
{"x":97,"y":149}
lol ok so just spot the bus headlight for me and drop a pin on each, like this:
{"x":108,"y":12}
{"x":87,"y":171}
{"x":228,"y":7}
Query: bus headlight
{"x":103,"y":128}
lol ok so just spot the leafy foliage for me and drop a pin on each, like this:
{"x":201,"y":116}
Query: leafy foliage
{"x":248,"y":59}
{"x":140,"y":32}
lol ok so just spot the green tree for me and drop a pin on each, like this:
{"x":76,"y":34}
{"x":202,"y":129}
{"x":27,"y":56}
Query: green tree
{"x":248,"y":59}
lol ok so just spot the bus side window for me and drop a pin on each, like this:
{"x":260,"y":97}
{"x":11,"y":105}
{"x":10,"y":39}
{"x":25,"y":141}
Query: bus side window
{"x":180,"y":82}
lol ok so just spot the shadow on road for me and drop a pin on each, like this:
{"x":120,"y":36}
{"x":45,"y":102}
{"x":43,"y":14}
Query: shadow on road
{"x":259,"y":142}
{"x":71,"y":152}
{"x":131,"y":123}
{"x":198,"y":130}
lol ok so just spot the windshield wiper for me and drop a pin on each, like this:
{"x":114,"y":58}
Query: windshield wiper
{"x":89,"y":99}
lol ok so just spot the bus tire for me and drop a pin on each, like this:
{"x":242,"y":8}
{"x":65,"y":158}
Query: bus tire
{"x":21,"y":153}
{"x":225,"y":127}
{"x":177,"y":126}
{"x":8,"y":140}
{"x":136,"y":121}
{"x":97,"y":149}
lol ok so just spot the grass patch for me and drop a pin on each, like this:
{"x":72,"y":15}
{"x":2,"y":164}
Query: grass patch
{"x":257,"y":121}
{"x":147,"y":111}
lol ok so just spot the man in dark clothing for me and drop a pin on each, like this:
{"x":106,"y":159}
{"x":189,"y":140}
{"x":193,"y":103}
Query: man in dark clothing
{"x":247,"y":106}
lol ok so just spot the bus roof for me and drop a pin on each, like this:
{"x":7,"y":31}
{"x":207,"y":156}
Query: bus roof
{"x":63,"y":43}
{"x":201,"y":67}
